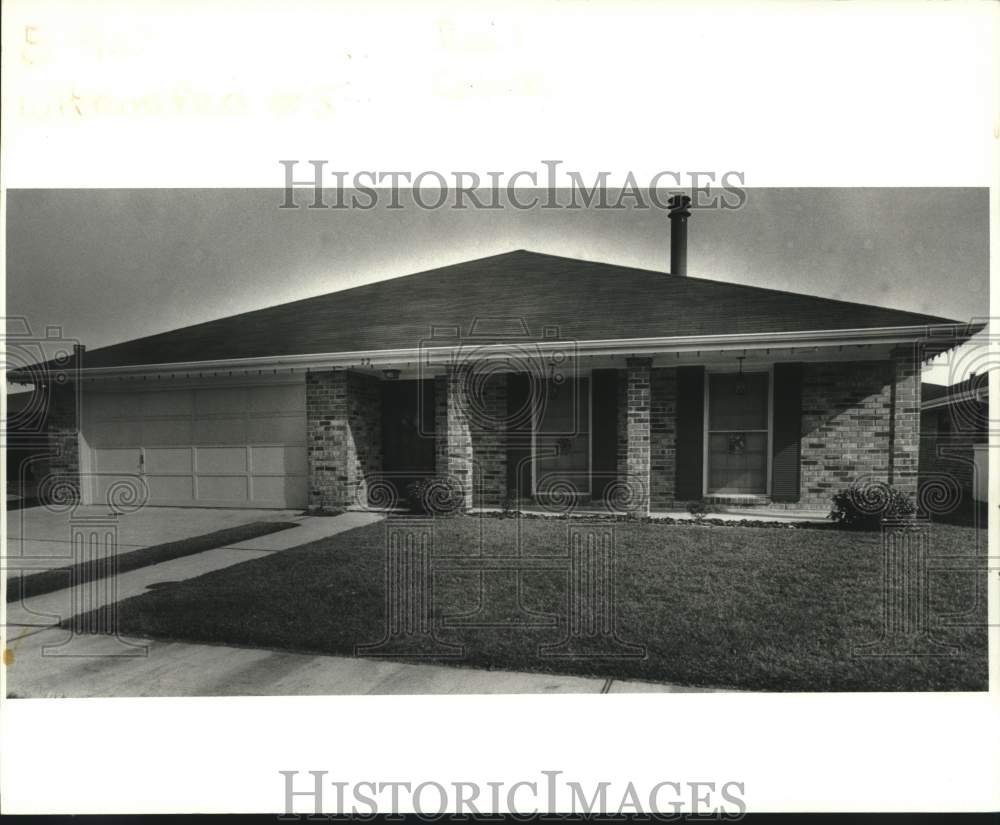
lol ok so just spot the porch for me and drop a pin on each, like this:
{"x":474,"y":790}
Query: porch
{"x":762,"y":435}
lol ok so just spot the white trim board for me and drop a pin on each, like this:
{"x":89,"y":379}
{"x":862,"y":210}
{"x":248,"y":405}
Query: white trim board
{"x":941,"y":337}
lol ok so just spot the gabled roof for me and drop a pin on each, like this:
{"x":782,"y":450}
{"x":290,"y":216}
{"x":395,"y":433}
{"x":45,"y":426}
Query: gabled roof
{"x":587,"y":301}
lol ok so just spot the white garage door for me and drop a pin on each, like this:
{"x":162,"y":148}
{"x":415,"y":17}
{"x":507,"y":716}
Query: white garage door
{"x":234,"y":446}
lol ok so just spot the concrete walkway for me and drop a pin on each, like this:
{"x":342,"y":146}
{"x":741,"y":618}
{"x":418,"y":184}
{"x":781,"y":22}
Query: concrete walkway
{"x":763,"y":514}
{"x":776,"y":515}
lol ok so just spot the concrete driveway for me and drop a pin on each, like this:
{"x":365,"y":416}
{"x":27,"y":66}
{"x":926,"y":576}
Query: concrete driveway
{"x":39,"y":538}
{"x":49,"y":609}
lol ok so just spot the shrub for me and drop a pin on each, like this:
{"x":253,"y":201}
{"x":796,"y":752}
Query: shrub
{"x":701,"y":508}
{"x":866,"y":505}
{"x":698,"y":509}
{"x":436,"y":496}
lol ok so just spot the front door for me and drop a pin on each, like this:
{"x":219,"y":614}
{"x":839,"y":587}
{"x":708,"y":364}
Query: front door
{"x":562,"y":438}
{"x":737,"y":433}
{"x":407,"y":432}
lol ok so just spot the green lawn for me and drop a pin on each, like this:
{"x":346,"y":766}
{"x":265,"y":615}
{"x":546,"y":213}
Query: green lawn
{"x":752,"y":608}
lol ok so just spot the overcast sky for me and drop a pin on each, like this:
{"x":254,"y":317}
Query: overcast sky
{"x":111,"y":265}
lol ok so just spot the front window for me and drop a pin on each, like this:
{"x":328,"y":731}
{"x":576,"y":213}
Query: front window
{"x":737,"y":433}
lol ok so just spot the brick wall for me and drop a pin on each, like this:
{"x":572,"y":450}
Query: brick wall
{"x":635,"y":468}
{"x":471,"y":433}
{"x":344,"y":435}
{"x":662,"y":437}
{"x":905,"y":406}
{"x":859,"y":420}
{"x":647,"y":429}
{"x":452,"y":439}
{"x":622,"y":423}
{"x":58,"y":473}
{"x":488,"y":436}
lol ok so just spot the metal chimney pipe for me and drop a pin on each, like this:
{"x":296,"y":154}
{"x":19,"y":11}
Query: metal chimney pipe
{"x":678,"y":214}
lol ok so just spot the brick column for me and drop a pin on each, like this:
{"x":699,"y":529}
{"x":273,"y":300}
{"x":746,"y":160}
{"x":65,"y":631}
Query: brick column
{"x":452,"y":437}
{"x":62,"y":465}
{"x":905,"y":424}
{"x":637,"y":407}
{"x":344,"y":433}
{"x":662,"y":438}
{"x":488,"y":436}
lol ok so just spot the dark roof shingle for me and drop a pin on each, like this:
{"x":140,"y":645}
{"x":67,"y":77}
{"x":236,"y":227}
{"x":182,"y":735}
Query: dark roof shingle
{"x":587,"y":301}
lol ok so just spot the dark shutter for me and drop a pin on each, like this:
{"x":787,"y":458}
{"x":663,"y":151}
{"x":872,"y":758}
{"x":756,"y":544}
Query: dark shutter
{"x":518,"y":435}
{"x":690,"y":432}
{"x":604,"y":444}
{"x":787,"y":432}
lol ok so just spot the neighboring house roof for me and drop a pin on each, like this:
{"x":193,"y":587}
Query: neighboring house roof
{"x":24,"y":411}
{"x":973,"y":388}
{"x":17,"y":401}
{"x":587,"y":301}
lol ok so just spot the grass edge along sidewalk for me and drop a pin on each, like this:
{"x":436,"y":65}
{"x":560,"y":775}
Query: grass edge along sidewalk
{"x":48,"y":581}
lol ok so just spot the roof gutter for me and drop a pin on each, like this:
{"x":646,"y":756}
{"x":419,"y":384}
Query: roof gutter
{"x":979,"y":396}
{"x":944,"y":336}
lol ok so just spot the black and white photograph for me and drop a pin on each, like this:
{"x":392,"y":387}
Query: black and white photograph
{"x":734,"y":441}
{"x":399,"y":399}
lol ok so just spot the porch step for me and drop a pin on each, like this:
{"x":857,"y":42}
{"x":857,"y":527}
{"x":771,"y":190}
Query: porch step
{"x":739,"y":501}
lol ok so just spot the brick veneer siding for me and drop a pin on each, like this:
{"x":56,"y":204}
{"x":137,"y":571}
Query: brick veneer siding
{"x":471,"y":433}
{"x":860,"y":420}
{"x":905,"y":409}
{"x":634,"y":425}
{"x":662,"y":437}
{"x":344,"y":433}
{"x":452,"y":439}
{"x":57,"y":470}
{"x":488,"y":435}
{"x":622,"y":423}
